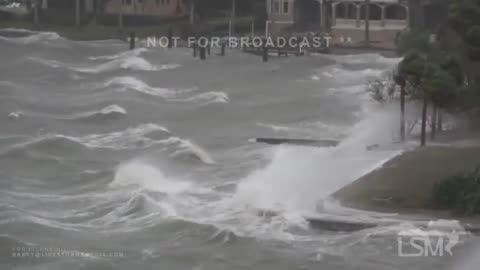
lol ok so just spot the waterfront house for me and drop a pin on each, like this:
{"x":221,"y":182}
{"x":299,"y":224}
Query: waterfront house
{"x":148,"y":8}
{"x":343,"y":19}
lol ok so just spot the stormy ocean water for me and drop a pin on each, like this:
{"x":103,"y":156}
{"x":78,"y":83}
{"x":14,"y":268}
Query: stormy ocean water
{"x":142,"y":159}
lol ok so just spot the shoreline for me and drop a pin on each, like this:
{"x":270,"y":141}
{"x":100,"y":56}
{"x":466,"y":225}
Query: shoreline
{"x":93,"y":32}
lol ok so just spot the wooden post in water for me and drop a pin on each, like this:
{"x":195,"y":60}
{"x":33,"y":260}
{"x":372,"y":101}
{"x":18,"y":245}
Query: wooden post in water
{"x":209,"y":45}
{"x":132,"y":40}
{"x":170,"y":37}
{"x":224,"y":44}
{"x":195,"y":46}
{"x":265,"y":51}
{"x":203,"y":52}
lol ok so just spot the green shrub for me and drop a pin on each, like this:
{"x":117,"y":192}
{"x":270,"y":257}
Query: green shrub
{"x":459,"y":193}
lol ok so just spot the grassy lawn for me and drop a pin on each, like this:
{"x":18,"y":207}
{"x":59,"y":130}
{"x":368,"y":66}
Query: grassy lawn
{"x":407,"y":181}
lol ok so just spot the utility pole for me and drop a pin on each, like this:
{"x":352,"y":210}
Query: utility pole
{"x":77,"y":13}
{"x":232,"y":17}
{"x":192,"y":11}
{"x":96,"y":11}
{"x":367,"y":23}
{"x":120,"y":17}
{"x":36,"y":20}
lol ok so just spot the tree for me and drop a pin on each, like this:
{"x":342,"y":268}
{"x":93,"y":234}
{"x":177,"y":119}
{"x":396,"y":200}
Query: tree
{"x":416,"y":70}
{"x":401,"y":81}
{"x":441,"y":88}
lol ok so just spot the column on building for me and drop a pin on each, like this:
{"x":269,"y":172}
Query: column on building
{"x":383,"y":14}
{"x":334,"y":13}
{"x":359,"y":9}
{"x":89,"y":6}
{"x":407,"y":13}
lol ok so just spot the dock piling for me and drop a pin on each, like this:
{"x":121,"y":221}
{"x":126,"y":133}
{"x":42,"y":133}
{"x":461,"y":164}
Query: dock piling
{"x":265,"y":51}
{"x":209,"y":44}
{"x":195,"y":46}
{"x":224,"y":44}
{"x":202,"y":53}
{"x":132,"y":40}
{"x":170,"y":36}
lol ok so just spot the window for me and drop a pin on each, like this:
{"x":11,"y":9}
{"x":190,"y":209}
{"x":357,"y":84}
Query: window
{"x":285,"y":7}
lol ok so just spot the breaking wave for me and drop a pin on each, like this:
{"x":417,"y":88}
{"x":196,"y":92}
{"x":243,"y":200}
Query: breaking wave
{"x":286,"y":183}
{"x":146,"y":176}
{"x":126,"y":83}
{"x":366,"y":58}
{"x":128,"y":63}
{"x":310,"y":129}
{"x":352,"y":74}
{"x":132,"y":83}
{"x":109,"y":112}
{"x":126,"y":54}
{"x":187,"y":148}
{"x":132,"y":138}
{"x":205,"y":98}
{"x":28,"y":36}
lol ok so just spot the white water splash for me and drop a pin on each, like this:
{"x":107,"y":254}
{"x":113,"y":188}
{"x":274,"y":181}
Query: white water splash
{"x":142,"y":175}
{"x":132,"y":83}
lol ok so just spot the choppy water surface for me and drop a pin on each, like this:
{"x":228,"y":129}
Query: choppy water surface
{"x":147,"y":153}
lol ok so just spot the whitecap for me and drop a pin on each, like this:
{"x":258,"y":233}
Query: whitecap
{"x":129,"y":63}
{"x":187,"y":147}
{"x":15,"y":115}
{"x":108,"y":110}
{"x":132,"y":83}
{"x":206,"y":98}
{"x":146,"y":176}
{"x":34,"y":37}
{"x":126,"y":54}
